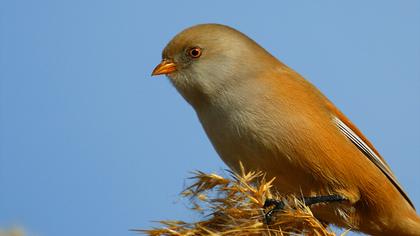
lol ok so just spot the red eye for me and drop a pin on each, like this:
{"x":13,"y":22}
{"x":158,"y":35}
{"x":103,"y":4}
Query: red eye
{"x":195,"y":52}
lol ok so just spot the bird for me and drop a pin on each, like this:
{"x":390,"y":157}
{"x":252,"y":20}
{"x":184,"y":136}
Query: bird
{"x":260,"y":113}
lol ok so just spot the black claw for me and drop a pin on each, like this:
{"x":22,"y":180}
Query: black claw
{"x":267,"y":217}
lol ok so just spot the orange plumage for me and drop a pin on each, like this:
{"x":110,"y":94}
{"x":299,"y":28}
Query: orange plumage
{"x":259,"y":112}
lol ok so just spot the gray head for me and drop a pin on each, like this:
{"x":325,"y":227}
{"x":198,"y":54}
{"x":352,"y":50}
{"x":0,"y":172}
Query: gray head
{"x":204,"y":60}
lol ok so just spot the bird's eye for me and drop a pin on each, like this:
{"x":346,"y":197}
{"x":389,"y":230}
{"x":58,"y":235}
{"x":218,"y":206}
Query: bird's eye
{"x":194,"y":52}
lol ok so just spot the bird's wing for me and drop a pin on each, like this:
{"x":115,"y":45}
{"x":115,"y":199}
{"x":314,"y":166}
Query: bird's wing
{"x":358,"y":139}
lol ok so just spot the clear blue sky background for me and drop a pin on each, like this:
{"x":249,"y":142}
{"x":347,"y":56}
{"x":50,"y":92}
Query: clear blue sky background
{"x":92,"y":145}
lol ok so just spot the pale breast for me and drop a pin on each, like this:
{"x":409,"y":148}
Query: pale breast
{"x":250,"y":134}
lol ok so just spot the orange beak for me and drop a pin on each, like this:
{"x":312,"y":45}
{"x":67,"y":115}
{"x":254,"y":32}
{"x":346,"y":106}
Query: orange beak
{"x":165,"y":67}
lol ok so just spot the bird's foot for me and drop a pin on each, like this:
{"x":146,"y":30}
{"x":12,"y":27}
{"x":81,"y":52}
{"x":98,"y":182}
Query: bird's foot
{"x":278,"y":206}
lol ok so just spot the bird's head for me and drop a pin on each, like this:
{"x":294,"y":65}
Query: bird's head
{"x":205,"y":60}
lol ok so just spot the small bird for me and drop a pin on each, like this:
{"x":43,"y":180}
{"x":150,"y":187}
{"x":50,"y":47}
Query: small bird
{"x":259,"y":112}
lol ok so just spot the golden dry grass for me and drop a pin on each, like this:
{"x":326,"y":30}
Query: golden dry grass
{"x":234,"y":206}
{"x":15,"y":231}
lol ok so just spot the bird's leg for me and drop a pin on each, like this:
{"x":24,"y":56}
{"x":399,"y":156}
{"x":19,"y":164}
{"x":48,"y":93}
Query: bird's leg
{"x":308,"y":201}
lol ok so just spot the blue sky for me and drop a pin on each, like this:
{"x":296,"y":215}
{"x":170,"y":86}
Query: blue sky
{"x":90,"y":144}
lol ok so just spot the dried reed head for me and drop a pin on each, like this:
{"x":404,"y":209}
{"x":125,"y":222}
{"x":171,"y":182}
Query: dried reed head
{"x":234,"y":206}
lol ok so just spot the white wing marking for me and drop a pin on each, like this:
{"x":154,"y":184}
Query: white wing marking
{"x":369,"y":153}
